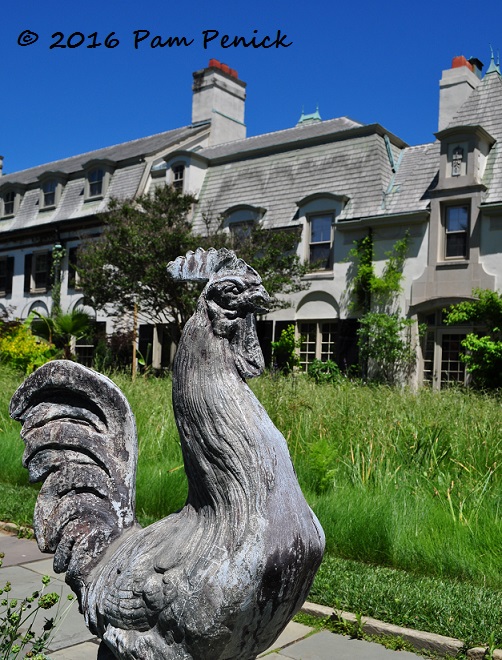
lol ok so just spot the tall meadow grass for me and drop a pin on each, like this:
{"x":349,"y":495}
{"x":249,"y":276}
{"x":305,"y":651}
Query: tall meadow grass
{"x":398,"y":479}
{"x":401,"y":479}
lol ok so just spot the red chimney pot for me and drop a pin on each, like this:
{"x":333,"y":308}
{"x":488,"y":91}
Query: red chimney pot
{"x":459,"y":61}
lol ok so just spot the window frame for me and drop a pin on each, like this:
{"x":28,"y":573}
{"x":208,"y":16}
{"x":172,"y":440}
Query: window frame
{"x":16,"y":193}
{"x":47,"y":181}
{"x":447,"y":209}
{"x":311,"y":218}
{"x":49,"y":190}
{"x":94,"y":166}
{"x":31,"y":272}
{"x":178,"y":182}
{"x":97,"y":182}
{"x":11,"y":211}
{"x":6,"y":275}
{"x":73,"y":276}
{"x":321,"y":347}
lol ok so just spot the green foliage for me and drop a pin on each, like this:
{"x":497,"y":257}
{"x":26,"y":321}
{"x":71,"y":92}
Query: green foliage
{"x":285,"y":351}
{"x":58,"y":253}
{"x":60,"y":329}
{"x":126,"y":265}
{"x":386,"y":349}
{"x":17,"y":620}
{"x":483,"y":357}
{"x":372,"y":291}
{"x":324,"y":372}
{"x":437,"y":605}
{"x":21,"y":349}
{"x":385,"y":344}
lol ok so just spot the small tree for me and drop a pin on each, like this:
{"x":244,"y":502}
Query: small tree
{"x":483,"y":357}
{"x":125,"y":268}
{"x":386,"y":349}
{"x":285,"y":351}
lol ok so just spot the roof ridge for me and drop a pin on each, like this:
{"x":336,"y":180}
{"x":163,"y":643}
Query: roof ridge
{"x":86,"y":153}
{"x":283,"y":130}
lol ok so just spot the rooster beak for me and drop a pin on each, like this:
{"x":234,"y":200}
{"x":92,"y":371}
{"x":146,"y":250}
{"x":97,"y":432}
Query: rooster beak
{"x":260,"y":300}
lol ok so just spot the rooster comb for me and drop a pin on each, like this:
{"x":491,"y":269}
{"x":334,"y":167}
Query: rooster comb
{"x":202,"y":266}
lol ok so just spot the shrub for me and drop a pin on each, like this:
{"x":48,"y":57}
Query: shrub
{"x":324,"y":372}
{"x":21,"y":349}
{"x":284,"y":351}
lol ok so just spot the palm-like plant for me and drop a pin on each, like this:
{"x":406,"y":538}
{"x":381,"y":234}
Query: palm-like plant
{"x":61,"y":328}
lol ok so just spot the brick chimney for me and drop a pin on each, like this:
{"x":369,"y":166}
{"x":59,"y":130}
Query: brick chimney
{"x":219,"y":96}
{"x":455,"y":86}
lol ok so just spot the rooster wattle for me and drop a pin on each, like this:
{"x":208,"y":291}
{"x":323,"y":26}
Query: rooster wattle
{"x":221,"y":578}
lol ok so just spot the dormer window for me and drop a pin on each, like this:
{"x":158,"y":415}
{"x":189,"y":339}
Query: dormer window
{"x":10,"y":199}
{"x":98,"y":175}
{"x":8,"y":203}
{"x":178,"y":175}
{"x":321,"y":241}
{"x":96,"y":178}
{"x":464,"y":154}
{"x":49,"y":194}
{"x":240,"y":220}
{"x":51,"y":186}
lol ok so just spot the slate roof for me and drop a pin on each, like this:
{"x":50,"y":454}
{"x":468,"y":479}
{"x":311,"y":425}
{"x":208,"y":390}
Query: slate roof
{"x":415,"y":177}
{"x":419,"y":166}
{"x":484,"y":107}
{"x":125,"y":180}
{"x":120,"y":152}
{"x":288,"y":137}
{"x":276,"y":178}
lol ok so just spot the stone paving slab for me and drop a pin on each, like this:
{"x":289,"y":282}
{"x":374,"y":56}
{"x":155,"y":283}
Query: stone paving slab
{"x":326,"y":645}
{"x":24,"y":565}
{"x":86,"y":651}
{"x":72,"y":629}
{"x":293,"y":632}
{"x":19,"y":551}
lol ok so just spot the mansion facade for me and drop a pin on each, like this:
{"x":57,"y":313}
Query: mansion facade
{"x":335,"y":180}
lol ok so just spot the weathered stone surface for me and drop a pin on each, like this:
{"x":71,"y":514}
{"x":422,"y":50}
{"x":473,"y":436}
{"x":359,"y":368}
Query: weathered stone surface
{"x":481,"y":653}
{"x":221,"y":578}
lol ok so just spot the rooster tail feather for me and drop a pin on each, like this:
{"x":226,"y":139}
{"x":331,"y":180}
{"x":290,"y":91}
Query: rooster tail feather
{"x":80,"y":438}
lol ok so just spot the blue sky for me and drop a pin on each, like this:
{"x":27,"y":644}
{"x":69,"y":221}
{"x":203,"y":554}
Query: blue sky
{"x":368,"y":60}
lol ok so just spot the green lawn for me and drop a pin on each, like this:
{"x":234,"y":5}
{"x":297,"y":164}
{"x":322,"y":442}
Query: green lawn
{"x":407,"y":487}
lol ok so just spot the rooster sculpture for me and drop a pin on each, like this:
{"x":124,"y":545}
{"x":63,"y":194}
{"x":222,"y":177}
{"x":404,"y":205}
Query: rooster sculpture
{"x":221,"y":578}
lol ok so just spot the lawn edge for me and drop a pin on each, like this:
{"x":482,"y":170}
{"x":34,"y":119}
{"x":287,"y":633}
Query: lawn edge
{"x":422,"y":641}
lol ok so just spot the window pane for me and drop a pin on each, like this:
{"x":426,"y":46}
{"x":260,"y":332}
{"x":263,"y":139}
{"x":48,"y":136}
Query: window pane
{"x":456,"y":245}
{"x":452,"y":367}
{"x":320,"y":228}
{"x":320,"y":254}
{"x":49,"y":189}
{"x":41,"y":271}
{"x":178,"y":175}
{"x":3,"y":275}
{"x":457,"y":218}
{"x":328,"y":337}
{"x":308,"y":332}
{"x":96,"y":182}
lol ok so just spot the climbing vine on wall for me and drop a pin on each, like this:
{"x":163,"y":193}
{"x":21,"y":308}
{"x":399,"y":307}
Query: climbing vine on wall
{"x":386,"y":348}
